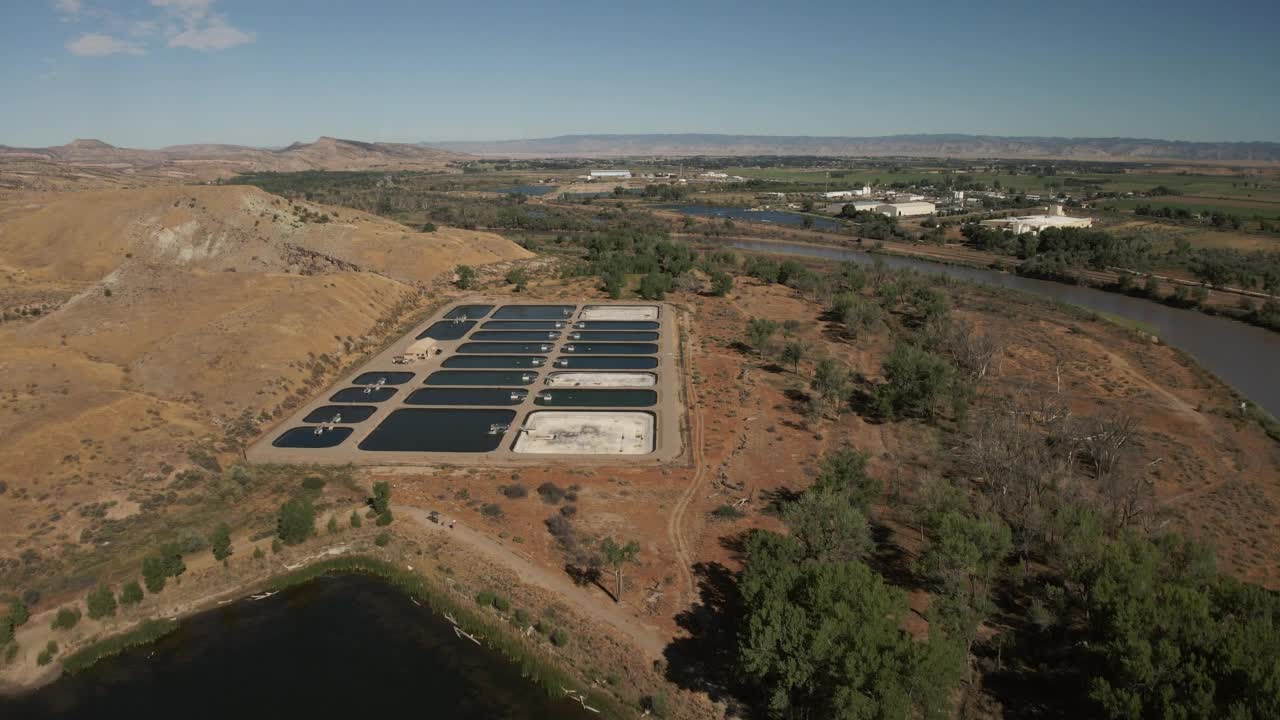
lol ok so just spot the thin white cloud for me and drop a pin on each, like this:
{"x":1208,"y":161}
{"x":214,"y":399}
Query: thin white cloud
{"x":68,"y":9}
{"x":193,"y":25}
{"x":98,"y":45}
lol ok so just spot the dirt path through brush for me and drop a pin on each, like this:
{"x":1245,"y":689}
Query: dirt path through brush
{"x":675,"y":533}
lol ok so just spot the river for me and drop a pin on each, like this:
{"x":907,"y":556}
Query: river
{"x":339,"y":646}
{"x":777,"y":217}
{"x":1243,"y":356}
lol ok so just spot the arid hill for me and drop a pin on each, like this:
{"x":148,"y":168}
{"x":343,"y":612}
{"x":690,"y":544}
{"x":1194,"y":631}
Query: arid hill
{"x":89,"y":164}
{"x":165,"y":315}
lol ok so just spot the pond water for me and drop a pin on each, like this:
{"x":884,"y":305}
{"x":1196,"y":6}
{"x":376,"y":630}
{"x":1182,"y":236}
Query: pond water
{"x":363,"y":394}
{"x":349,"y":413}
{"x":431,"y":430}
{"x":612,"y":335}
{"x":514,"y":335}
{"x":534,"y":312}
{"x":770,"y":216}
{"x":347,"y":646}
{"x":579,"y":397}
{"x":447,"y":330}
{"x":616,"y":325}
{"x":307,"y":437}
{"x":482,"y":348}
{"x":386,"y":378}
{"x":526,"y":189}
{"x":481,"y":377}
{"x":493,"y":361}
{"x":1244,"y":356}
{"x":524,"y":324}
{"x":606,"y":363}
{"x":465,"y":396}
{"x":610,"y":348}
{"x":468,"y":312}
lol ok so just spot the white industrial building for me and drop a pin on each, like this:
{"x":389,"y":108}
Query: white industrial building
{"x":610,"y":175}
{"x":1035,"y":223}
{"x":905,"y":209}
{"x":863,"y":191}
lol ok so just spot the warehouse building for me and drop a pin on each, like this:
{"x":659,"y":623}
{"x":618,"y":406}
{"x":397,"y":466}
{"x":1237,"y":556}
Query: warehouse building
{"x":610,"y":175}
{"x":905,"y":209}
{"x":1035,"y":223}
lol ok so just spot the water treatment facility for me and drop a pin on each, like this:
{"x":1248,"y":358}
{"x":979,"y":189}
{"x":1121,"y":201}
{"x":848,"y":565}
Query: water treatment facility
{"x":488,"y":381}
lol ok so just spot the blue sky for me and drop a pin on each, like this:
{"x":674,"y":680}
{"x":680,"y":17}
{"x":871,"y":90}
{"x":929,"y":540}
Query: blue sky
{"x":148,"y":73}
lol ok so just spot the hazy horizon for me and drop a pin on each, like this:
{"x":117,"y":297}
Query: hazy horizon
{"x":154,"y":73}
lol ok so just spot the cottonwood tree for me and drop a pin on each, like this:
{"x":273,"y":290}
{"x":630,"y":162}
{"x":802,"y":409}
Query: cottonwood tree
{"x":760,"y":333}
{"x":845,"y":471}
{"x":831,"y":382}
{"x":296,"y":521}
{"x":466,"y":277}
{"x":616,"y":556}
{"x":381,"y":500}
{"x":220,"y":542}
{"x":793,"y":352}
{"x":829,"y":526}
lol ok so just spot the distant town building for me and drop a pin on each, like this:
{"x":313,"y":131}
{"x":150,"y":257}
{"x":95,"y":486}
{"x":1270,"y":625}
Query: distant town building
{"x":1035,"y":223}
{"x":905,"y":209}
{"x":714,"y":176}
{"x":863,"y":191}
{"x":610,"y":175}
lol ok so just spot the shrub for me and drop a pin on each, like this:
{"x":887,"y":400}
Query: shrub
{"x":18,"y":614}
{"x":550,"y":493}
{"x":258,"y":554}
{"x":296,"y":521}
{"x":131,"y":593}
{"x":66,"y":618}
{"x":101,"y":603}
{"x":313,"y":483}
{"x":384,"y":519}
{"x":492,"y":511}
{"x":429,"y":228}
{"x":521,"y":617}
{"x":466,"y":276}
{"x":727,"y":512}
{"x":501,"y":604}
{"x":656,"y":704}
{"x":484,"y":598}
{"x":569,"y":510}
{"x":559,"y":637}
{"x":355,"y":519}
{"x":514,"y":491}
{"x":383,"y":539}
{"x":721,"y":284}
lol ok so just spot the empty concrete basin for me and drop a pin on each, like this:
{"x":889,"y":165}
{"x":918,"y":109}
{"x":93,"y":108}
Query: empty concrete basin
{"x":619,"y":312}
{"x":606,"y":362}
{"x":554,"y":432}
{"x":337,"y":414}
{"x":615,"y":325}
{"x":439,"y":430}
{"x":602,"y":379}
{"x":314,"y":436}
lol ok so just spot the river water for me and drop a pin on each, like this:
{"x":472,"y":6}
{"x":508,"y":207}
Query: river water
{"x":778,"y":217}
{"x":346,"y":646}
{"x":1243,"y":356}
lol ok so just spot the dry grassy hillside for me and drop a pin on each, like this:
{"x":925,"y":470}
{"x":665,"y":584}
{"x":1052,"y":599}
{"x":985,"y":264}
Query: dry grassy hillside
{"x":183,"y":312}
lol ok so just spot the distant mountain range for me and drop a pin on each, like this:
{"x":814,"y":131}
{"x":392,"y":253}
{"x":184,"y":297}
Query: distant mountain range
{"x":94,"y":163}
{"x":959,"y":146}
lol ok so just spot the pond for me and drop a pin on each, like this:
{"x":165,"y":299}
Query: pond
{"x":616,"y":325}
{"x":346,"y":413}
{"x":515,"y":335}
{"x":312,"y":437}
{"x":488,"y":348}
{"x":778,"y":217}
{"x":524,"y":324}
{"x":431,"y":430}
{"x":578,"y":397}
{"x":607,"y":363}
{"x":493,"y":361}
{"x":348,"y":646}
{"x":610,"y":348}
{"x":481,"y":377}
{"x":525,"y":189}
{"x":612,"y":335}
{"x":447,"y":330}
{"x":468,"y":312}
{"x":534,"y":312}
{"x":383,"y":377}
{"x":365,"y":394}
{"x":1244,"y":356}
{"x":465,"y":396}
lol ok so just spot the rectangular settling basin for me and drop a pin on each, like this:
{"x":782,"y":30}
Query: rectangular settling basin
{"x":340,"y":414}
{"x":447,"y":330}
{"x":466,"y":396}
{"x":605,"y":362}
{"x":619,"y":312}
{"x":516,"y":335}
{"x":601,"y":379}
{"x":493,"y":361}
{"x":535,"y":312}
{"x":613,"y":335}
{"x":481,"y":377}
{"x":524,"y":324}
{"x":501,"y":348}
{"x":383,"y":378}
{"x":366,"y":394}
{"x":615,"y":325}
{"x":468,"y":312}
{"x":604,"y":348}
{"x":596,"y":397}
{"x":313,"y":437}
{"x":439,"y":430}
{"x":550,"y":432}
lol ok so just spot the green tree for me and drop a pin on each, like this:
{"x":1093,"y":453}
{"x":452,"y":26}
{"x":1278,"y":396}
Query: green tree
{"x":101,"y":603}
{"x":655,"y":286}
{"x":965,"y":552}
{"x":831,"y":382}
{"x":615,"y":283}
{"x":616,"y":556}
{"x":721,"y":283}
{"x":355,"y":519}
{"x":466,"y":277}
{"x":854,"y":313}
{"x":760,"y":333}
{"x":381,"y":500}
{"x":131,"y":593}
{"x":220,"y":542}
{"x":332,"y":526}
{"x":793,"y":352}
{"x":66,"y":618}
{"x":845,"y":471}
{"x":296,"y":521}
{"x":518,"y":277}
{"x":19,"y":614}
{"x":829,"y":527}
{"x":916,"y":383}
{"x":153,"y":573}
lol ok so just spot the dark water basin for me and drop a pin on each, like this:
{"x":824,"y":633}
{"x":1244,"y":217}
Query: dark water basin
{"x":493,"y":361}
{"x":483,"y":348}
{"x":468,"y":312}
{"x":431,"y":430}
{"x":534,"y":312}
{"x":606,"y":363}
{"x":349,"y":413}
{"x":465,"y":396}
{"x":588,"y":335}
{"x":593,"y":397}
{"x":599,"y":348}
{"x":306,"y":437}
{"x":447,"y":330}
{"x":524,"y":324}
{"x":616,"y":325}
{"x":526,"y":189}
{"x":515,"y":335}
{"x":481,"y":377}
{"x":363,"y":394}
{"x":391,"y":378}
